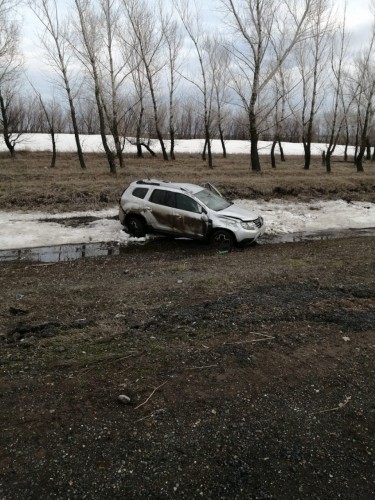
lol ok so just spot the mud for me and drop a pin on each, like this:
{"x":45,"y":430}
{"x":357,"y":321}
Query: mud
{"x":250,"y":374}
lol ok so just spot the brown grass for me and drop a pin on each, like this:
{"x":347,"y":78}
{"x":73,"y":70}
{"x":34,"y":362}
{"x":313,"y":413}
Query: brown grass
{"x":28,"y":183}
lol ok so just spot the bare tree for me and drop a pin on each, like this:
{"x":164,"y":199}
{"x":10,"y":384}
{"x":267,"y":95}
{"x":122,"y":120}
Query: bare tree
{"x":312,"y":58}
{"x":87,"y":46}
{"x":173,"y":40}
{"x":56,"y":46}
{"x":113,"y":69}
{"x":281,"y":91}
{"x":141,"y":99}
{"x":267,"y":31}
{"x":190,"y":17}
{"x":219,"y":63}
{"x":10,"y":117}
{"x":147,"y":41}
{"x":340,"y":106}
{"x":364,"y":76}
{"x":9,"y":74}
{"x":50,"y":111}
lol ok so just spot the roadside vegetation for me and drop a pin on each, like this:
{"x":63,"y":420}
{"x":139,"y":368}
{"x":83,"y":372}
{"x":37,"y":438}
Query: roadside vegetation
{"x":27,"y":182}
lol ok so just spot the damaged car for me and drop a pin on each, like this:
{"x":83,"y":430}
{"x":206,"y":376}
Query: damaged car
{"x":187,"y":210}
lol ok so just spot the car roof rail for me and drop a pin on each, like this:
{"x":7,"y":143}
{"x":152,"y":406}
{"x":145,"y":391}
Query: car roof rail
{"x":148,"y":183}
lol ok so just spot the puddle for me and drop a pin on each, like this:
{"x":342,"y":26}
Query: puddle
{"x":68,"y":252}
{"x":317,"y":235}
{"x":61,"y":253}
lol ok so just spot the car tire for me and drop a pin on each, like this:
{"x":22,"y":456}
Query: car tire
{"x":136,"y":226}
{"x":221,"y":239}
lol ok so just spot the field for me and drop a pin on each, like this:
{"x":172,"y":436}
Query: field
{"x":172,"y":371}
{"x":28,"y":183}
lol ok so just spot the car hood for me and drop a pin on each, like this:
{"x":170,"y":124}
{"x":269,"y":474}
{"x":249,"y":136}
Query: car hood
{"x":236,"y":212}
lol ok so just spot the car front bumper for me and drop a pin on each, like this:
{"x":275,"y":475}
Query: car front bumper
{"x":246,"y":237}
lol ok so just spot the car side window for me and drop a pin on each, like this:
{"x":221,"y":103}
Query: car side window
{"x":140,"y":192}
{"x":162,"y":197}
{"x":183,"y":202}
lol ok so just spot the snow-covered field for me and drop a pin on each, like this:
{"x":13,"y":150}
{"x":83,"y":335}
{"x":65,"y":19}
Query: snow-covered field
{"x":92,"y":144}
{"x":26,"y":230}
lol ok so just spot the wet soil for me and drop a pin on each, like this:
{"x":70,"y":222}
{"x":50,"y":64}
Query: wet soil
{"x":243,"y":375}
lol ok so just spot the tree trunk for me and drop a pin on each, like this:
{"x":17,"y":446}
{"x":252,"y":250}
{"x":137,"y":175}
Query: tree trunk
{"x":171,"y":150}
{"x":204,"y":157}
{"x":282,"y":156}
{"x":117,"y":141}
{"x":156,"y":115}
{"x":222,"y":141}
{"x":138,"y":133}
{"x":209,"y":153}
{"x":328,"y":162}
{"x":254,"y":153}
{"x":358,"y":160}
{"x":6,"y":132}
{"x":139,"y":150}
{"x":107,"y":149}
{"x":208,"y":143}
{"x":152,"y":153}
{"x":307,"y":150}
{"x":74,"y":121}
{"x":273,"y":159}
{"x":54,"y":152}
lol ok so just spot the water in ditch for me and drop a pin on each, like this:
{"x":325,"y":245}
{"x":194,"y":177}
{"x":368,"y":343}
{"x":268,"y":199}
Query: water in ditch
{"x":70,"y":252}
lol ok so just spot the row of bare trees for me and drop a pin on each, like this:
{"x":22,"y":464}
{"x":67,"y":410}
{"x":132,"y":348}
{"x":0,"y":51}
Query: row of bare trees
{"x":279,"y":70}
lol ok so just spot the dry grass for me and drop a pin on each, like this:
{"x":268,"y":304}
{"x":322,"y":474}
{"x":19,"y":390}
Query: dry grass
{"x":28,"y":183}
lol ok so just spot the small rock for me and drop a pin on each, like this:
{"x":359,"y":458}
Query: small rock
{"x":346,"y":339}
{"x":179,"y":282}
{"x":123,"y":399}
{"x":27,"y":342}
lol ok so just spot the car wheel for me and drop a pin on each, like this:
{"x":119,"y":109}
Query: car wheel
{"x":136,"y":226}
{"x":222,"y":240}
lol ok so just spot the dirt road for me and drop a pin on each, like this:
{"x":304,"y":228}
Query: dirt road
{"x":249,"y":374}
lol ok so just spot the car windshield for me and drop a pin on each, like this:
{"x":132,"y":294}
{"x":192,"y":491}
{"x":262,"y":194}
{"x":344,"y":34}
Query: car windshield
{"x":212,"y":200}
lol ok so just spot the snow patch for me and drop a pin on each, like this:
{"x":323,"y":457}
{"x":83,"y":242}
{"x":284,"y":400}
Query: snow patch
{"x":27,"y":230}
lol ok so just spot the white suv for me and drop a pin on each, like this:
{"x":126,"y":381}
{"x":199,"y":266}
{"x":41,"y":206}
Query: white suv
{"x":187,"y":210}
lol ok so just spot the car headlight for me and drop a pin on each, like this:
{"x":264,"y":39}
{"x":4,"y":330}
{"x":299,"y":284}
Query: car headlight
{"x":249,"y":226}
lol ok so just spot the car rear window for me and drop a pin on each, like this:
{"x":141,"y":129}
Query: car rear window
{"x":162,"y":197}
{"x":140,"y":192}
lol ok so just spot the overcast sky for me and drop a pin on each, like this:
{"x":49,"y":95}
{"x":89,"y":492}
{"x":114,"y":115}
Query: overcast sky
{"x":359,"y":21}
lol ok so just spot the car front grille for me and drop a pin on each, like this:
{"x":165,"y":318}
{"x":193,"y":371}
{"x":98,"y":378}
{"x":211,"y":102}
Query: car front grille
{"x":258,"y":222}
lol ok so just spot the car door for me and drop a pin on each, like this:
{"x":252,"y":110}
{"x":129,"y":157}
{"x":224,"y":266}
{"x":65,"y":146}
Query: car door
{"x":160,"y":210}
{"x":189,"y":218}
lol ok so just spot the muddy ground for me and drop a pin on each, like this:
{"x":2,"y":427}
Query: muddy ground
{"x":247,"y":374}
